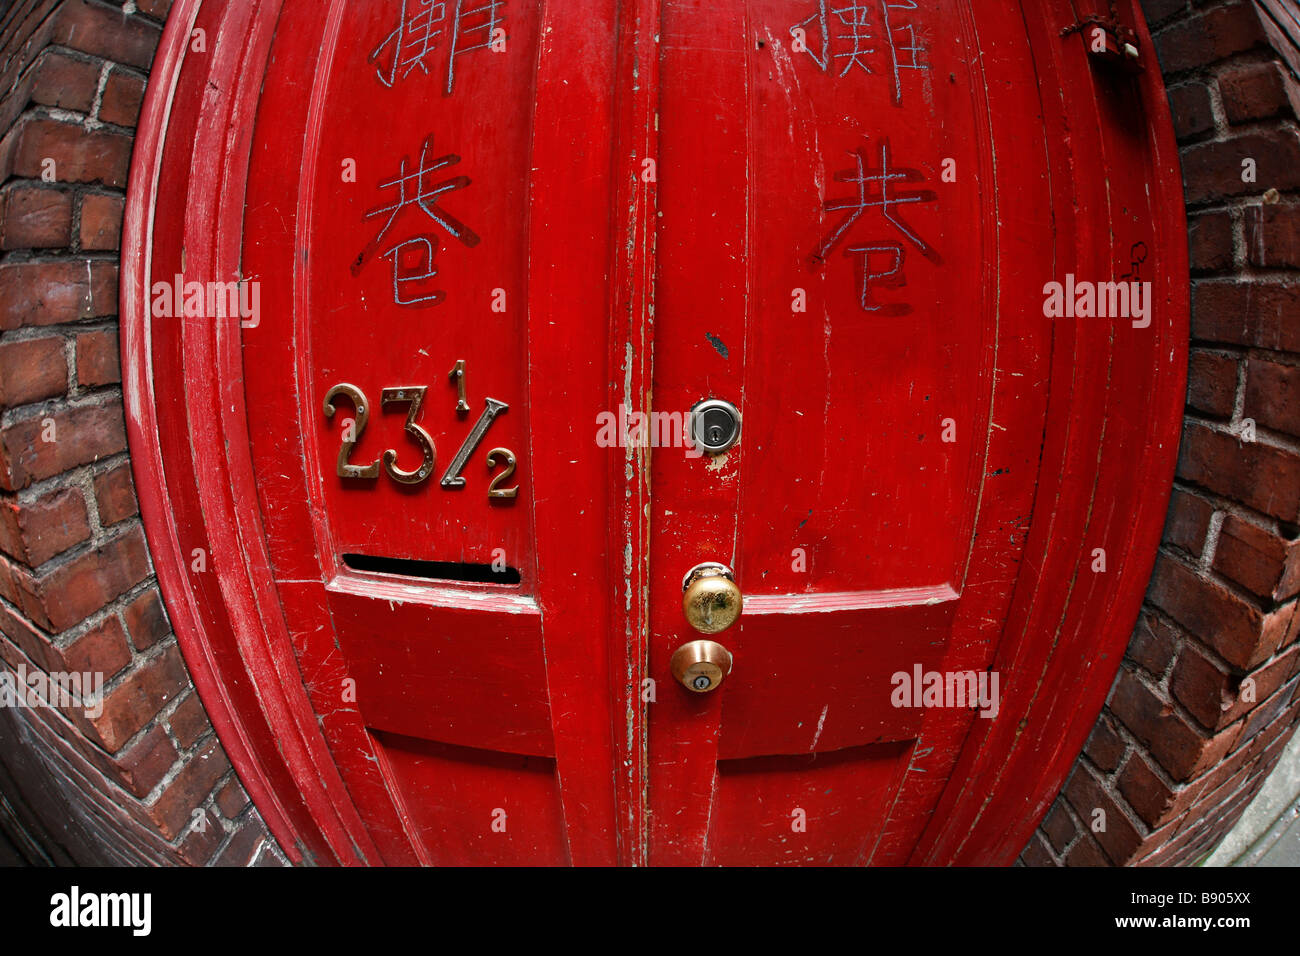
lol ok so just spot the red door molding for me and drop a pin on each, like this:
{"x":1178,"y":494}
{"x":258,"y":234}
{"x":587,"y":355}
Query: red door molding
{"x":257,"y":618}
{"x":235,"y":642}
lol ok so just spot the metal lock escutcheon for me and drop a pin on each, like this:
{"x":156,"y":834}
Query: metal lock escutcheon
{"x":715,"y":425}
{"x":700,"y":666}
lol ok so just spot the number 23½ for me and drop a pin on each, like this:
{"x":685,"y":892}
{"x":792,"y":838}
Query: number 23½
{"x":413,"y":397}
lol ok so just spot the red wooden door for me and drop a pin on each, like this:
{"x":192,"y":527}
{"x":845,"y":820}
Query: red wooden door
{"x":435,"y":612}
{"x":882,"y":219}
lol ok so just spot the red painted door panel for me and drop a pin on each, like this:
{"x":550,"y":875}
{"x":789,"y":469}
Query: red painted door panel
{"x":476,"y":228}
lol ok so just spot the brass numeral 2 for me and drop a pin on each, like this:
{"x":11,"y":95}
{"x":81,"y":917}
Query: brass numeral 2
{"x":509,"y":456}
{"x":352,"y":434}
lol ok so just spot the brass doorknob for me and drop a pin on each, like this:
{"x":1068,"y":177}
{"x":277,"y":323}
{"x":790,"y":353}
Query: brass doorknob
{"x":700,"y":666}
{"x":710,"y":598}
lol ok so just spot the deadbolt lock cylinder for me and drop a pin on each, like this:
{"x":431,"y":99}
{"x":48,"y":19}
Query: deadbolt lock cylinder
{"x":700,"y":666}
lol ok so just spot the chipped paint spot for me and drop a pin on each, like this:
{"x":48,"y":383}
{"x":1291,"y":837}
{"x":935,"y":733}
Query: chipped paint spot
{"x":821,"y":722}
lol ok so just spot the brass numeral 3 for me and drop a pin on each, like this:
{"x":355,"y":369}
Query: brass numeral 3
{"x":414,"y":396}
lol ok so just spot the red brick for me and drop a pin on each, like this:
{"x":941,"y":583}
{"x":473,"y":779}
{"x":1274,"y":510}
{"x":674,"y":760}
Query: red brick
{"x":106,"y":31}
{"x":1188,"y":521}
{"x":1240,"y":633}
{"x":203,"y":840}
{"x":1258,"y":560}
{"x":32,"y":370}
{"x":35,"y":217}
{"x":1213,"y":170}
{"x":1190,"y":106}
{"x":1105,"y":747}
{"x":80,"y":156}
{"x":1270,"y":679}
{"x":77,"y":588}
{"x":1208,"y":37}
{"x":134,"y":702}
{"x":1292,"y":635}
{"x":1210,"y":808}
{"x":243,"y":846}
{"x":1086,"y":853}
{"x":146,"y":620}
{"x":1157,"y":10}
{"x":1086,"y":794}
{"x":143,"y":766}
{"x":1273,"y":235}
{"x":1212,"y":383}
{"x":1263,"y":717}
{"x":1208,"y":693}
{"x":114,"y":495}
{"x":1154,"y":801}
{"x":1209,"y":241}
{"x":64,"y":82}
{"x":231,"y":799}
{"x":9,"y":574}
{"x":79,"y":436}
{"x":35,"y":531}
{"x":35,"y":645}
{"x":56,"y":291}
{"x":1153,"y":645}
{"x":155,"y":8}
{"x":1059,"y":827}
{"x":1261,"y":476}
{"x":123,"y":95}
{"x":1273,"y":728}
{"x":1240,"y":757}
{"x":101,"y":221}
{"x":1257,"y":91}
{"x":1246,"y":312}
{"x":1180,"y":749}
{"x":101,"y":649}
{"x":189,"y":721}
{"x":1273,"y":395}
{"x":97,"y":359}
{"x":172,"y":810}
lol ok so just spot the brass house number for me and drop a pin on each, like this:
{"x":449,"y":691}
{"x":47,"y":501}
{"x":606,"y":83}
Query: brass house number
{"x":412,"y":396}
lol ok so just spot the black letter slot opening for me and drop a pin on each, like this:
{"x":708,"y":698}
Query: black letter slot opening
{"x":433,"y":570}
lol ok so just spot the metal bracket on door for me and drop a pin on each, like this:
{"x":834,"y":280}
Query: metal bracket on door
{"x":1108,"y":40}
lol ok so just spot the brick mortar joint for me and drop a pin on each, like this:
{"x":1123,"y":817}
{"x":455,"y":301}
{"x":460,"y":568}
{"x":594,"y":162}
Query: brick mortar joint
{"x":1183,"y":637}
{"x":1237,"y":509}
{"x":99,"y":396}
{"x":1264,"y":606}
{"x":1161,"y":693}
{"x":64,"y":481}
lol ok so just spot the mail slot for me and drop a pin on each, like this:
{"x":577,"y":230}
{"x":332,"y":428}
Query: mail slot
{"x":660,"y":437}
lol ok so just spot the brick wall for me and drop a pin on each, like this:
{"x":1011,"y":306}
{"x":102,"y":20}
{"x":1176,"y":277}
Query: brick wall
{"x":1209,"y":691}
{"x":146,"y":781}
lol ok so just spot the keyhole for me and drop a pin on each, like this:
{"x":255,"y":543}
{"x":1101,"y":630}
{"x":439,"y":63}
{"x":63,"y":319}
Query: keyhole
{"x":700,"y":682}
{"x":715,"y":435}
